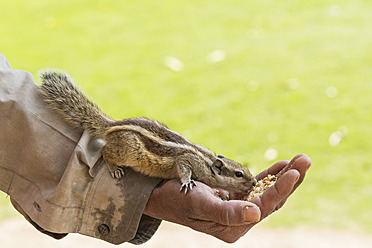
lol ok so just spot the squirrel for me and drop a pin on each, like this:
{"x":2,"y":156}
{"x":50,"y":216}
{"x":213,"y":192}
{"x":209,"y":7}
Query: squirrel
{"x":146,"y":145}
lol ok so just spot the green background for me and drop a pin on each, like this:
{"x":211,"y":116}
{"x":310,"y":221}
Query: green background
{"x":292,"y":73}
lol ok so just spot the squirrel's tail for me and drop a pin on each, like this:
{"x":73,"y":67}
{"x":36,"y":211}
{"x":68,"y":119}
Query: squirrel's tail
{"x":64,"y":96}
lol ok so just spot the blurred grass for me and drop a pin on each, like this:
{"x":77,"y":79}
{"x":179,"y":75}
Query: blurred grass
{"x":268,"y":92}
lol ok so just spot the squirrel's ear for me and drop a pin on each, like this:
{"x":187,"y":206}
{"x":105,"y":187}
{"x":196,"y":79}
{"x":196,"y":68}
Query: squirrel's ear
{"x":217,"y":166}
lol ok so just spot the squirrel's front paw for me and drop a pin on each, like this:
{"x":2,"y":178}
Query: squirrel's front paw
{"x":188,"y":185}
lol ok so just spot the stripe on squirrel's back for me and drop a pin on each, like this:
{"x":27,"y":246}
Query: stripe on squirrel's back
{"x":155,"y":127}
{"x":158,"y":149}
{"x":163,"y":132}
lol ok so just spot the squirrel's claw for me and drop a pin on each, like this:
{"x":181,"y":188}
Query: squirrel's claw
{"x":118,"y":173}
{"x":187,"y":186}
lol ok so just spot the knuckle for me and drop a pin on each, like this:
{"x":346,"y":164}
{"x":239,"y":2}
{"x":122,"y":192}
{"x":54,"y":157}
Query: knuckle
{"x":224,"y":215}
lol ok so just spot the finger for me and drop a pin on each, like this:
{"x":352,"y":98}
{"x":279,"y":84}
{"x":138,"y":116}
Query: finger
{"x":273,"y":170}
{"x":225,"y":220}
{"x":301,"y":163}
{"x":227,"y":213}
{"x":274,"y":196}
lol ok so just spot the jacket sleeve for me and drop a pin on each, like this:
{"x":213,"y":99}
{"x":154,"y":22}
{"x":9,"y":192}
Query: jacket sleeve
{"x":55,"y":175}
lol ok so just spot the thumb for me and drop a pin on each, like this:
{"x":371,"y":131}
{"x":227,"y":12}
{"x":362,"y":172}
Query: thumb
{"x":234,"y":213}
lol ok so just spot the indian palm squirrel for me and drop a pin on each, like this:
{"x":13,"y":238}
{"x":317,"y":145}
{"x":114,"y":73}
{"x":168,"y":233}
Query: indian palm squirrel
{"x":145,"y":145}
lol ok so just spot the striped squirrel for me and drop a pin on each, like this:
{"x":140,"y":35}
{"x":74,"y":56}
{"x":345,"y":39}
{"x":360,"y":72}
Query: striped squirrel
{"x":146,"y":145}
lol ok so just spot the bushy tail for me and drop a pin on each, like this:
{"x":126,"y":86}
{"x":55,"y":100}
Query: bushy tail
{"x":64,"y":96}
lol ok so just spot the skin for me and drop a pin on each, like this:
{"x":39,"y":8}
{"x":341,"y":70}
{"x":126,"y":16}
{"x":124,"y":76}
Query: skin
{"x":203,"y":210}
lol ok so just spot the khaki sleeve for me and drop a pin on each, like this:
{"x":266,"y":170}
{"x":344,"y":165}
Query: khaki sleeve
{"x":55,"y":175}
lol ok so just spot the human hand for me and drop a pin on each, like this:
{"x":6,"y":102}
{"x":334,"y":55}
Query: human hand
{"x":204,"y":210}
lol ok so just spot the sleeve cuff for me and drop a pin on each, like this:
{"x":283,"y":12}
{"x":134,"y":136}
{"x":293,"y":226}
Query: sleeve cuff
{"x":146,"y":229}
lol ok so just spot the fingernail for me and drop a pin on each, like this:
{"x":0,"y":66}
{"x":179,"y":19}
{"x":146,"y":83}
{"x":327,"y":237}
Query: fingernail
{"x":251,"y":213}
{"x":298,"y":177}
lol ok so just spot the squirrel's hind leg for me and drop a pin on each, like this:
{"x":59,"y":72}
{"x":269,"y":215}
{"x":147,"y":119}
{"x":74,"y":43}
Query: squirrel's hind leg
{"x":115,"y":170}
{"x":110,"y":158}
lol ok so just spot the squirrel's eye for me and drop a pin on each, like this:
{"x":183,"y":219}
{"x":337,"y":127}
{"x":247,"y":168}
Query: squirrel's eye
{"x":220,"y":156}
{"x":238,"y":174}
